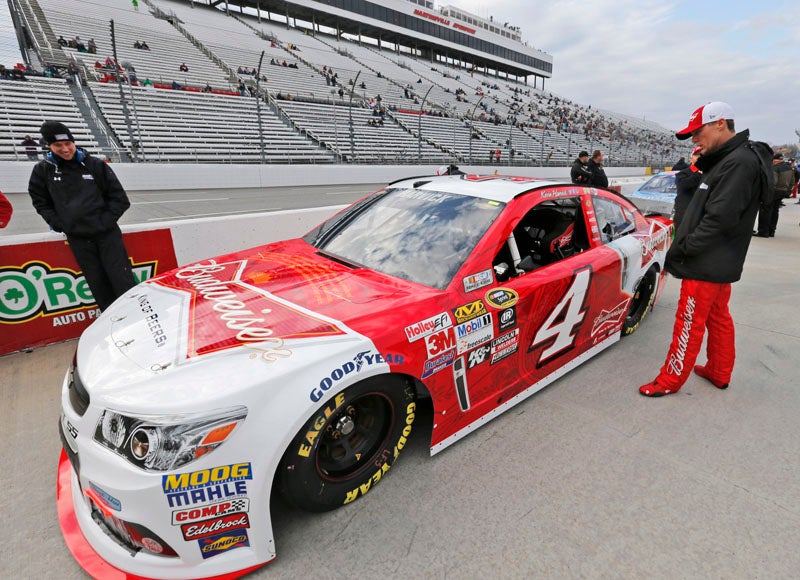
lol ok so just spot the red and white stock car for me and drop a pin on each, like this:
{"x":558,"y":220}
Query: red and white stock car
{"x":297,"y":366}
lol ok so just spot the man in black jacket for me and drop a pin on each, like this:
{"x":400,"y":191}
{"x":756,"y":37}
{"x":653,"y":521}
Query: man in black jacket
{"x":580,"y":174}
{"x":783,"y":174}
{"x":686,"y":182}
{"x":710,"y":246}
{"x":595,"y":165}
{"x":79,"y":195}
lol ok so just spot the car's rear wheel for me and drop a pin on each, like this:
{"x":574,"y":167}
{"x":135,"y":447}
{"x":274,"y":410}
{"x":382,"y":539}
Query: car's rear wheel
{"x":348,"y":445}
{"x":642,"y":302}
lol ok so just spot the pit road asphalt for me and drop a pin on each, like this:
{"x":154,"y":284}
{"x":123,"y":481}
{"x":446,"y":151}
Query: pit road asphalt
{"x":586,"y":479}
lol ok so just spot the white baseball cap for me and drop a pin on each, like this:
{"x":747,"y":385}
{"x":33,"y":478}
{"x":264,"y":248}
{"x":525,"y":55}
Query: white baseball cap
{"x":709,"y":113}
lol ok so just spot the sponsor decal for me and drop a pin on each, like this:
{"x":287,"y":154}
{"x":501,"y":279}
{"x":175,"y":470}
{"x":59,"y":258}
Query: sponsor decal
{"x":203,"y":512}
{"x":477,"y":356}
{"x":478,"y":281}
{"x":361,"y":360}
{"x":204,"y":529}
{"x":507,"y":318}
{"x":70,"y":432}
{"x":676,"y":361}
{"x":502,"y":297}
{"x":385,"y":461}
{"x":474,"y":333}
{"x":214,"y":545}
{"x":460,"y":380}
{"x":653,"y":243}
{"x":428,"y":326}
{"x":151,"y":319}
{"x":437,"y":364}
{"x":319,"y":422}
{"x":109,"y":499}
{"x":437,"y":343}
{"x":235,"y":313}
{"x":469,"y":311}
{"x":206,"y":485}
{"x":37,"y":289}
{"x":504,"y":346}
{"x":151,"y":545}
{"x":610,"y":318}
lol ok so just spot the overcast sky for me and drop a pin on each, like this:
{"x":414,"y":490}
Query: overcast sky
{"x":661,"y":59}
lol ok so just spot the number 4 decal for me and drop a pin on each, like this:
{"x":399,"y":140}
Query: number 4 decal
{"x":565,"y":319}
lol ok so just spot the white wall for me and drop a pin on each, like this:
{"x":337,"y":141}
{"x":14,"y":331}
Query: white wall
{"x":14,"y":175}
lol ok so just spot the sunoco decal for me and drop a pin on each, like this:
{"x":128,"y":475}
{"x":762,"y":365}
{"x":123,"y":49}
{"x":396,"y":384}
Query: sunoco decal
{"x":206,"y":485}
{"x":220,"y":543}
{"x":37,"y":289}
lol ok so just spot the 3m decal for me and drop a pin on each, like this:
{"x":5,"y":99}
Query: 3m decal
{"x":36,"y":289}
{"x":235,"y":313}
{"x":435,"y":365}
{"x":478,"y":281}
{"x":220,"y":543}
{"x":561,"y":327}
{"x":610,"y":318}
{"x":363,"y":359}
{"x":460,"y":380}
{"x":428,"y":326}
{"x":507,"y":318}
{"x":319,"y":422}
{"x":469,"y":311}
{"x":385,"y":461}
{"x":204,"y":529}
{"x":204,"y":512}
{"x":474,"y":333}
{"x":206,"y":485}
{"x":477,"y":356}
{"x":501,"y":297}
{"x":439,"y":342}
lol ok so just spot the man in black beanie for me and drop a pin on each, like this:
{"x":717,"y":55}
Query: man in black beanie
{"x":79,"y":195}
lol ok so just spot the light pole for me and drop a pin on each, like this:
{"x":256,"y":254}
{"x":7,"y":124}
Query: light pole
{"x":471,"y":120}
{"x":352,"y":131}
{"x":511,"y":122}
{"x":419,"y":125}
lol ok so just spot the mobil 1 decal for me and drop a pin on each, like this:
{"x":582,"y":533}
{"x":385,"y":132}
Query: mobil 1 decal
{"x":560,"y":329}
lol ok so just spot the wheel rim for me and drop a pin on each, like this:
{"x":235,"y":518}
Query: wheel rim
{"x":353,"y":436}
{"x":641,"y":299}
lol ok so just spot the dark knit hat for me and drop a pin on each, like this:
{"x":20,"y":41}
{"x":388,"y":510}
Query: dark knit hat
{"x":53,"y":131}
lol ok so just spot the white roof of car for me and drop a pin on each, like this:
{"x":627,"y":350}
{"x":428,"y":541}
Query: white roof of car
{"x":502,"y":188}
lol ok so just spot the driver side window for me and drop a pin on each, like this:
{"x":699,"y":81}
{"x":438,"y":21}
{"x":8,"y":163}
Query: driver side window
{"x":613,"y":220}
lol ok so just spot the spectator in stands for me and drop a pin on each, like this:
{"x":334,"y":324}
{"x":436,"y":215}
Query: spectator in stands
{"x":176,"y":86}
{"x":62,"y":41}
{"x":31,"y":147}
{"x":183,"y":67}
{"x":5,"y":74}
{"x":109,"y":62}
{"x":145,"y":46}
{"x":91,"y":46}
{"x":284,"y":63}
{"x":497,"y":154}
{"x":599,"y":178}
{"x":363,"y":85}
{"x":242,"y":89}
{"x":79,"y":195}
{"x":79,"y":44}
{"x":135,"y":4}
{"x":681,"y":164}
{"x":341,"y":93}
{"x":580,"y":174}
{"x":207,"y":88}
{"x":147,"y":83}
{"x":137,"y":44}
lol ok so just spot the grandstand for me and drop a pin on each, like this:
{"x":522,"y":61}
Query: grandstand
{"x":326,"y":91}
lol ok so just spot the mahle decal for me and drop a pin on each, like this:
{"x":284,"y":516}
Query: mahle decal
{"x":36,"y":289}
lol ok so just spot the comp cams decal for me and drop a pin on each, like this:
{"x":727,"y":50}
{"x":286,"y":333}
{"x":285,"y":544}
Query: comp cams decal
{"x":203,"y":512}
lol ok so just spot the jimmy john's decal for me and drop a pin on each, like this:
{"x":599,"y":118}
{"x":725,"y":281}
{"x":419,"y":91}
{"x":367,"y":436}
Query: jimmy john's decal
{"x":36,"y":289}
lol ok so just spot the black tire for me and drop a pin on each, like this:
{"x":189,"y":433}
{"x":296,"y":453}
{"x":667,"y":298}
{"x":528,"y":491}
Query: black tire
{"x":642,"y":302}
{"x":349,"y":444}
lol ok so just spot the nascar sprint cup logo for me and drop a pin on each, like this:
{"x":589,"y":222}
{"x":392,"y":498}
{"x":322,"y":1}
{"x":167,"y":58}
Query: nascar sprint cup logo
{"x":37,"y":289}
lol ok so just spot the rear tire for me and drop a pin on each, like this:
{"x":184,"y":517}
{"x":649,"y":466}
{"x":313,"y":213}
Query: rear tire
{"x":349,"y":444}
{"x":642,"y":302}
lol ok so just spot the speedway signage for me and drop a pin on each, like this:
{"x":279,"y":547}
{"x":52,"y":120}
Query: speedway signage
{"x":44,"y":297}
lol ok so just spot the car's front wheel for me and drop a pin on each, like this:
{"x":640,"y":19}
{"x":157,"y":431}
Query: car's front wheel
{"x":348,"y":445}
{"x":642,"y":302}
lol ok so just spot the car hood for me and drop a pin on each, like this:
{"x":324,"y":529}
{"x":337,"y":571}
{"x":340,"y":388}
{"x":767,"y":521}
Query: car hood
{"x":282,"y":305}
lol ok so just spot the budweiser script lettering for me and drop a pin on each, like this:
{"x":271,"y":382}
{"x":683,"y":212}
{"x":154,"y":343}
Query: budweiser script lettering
{"x":251,"y":328}
{"x":676,"y":360}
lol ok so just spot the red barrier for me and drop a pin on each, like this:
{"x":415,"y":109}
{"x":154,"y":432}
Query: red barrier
{"x":44,"y":297}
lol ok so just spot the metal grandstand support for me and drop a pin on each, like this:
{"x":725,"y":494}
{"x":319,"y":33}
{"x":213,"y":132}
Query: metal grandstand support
{"x":134,"y":142}
{"x":39,"y":31}
{"x":419,"y":125}
{"x":88,"y":107}
{"x":350,"y":123}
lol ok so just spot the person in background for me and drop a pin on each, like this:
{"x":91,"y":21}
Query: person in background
{"x":31,"y":147}
{"x":686,"y":182}
{"x":783,"y":175}
{"x":595,"y":166}
{"x":579,"y":173}
{"x":80,"y":195}
{"x":710,"y":247}
{"x":681,"y":164}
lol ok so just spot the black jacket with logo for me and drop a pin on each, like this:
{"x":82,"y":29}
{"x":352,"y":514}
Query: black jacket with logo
{"x":712,"y":239}
{"x":579,"y":173}
{"x":599,"y":178}
{"x":81,"y":197}
{"x":784,"y":180}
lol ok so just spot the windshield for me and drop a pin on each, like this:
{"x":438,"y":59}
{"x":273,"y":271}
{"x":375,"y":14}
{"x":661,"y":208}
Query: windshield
{"x":421,"y":236}
{"x":661,"y":184}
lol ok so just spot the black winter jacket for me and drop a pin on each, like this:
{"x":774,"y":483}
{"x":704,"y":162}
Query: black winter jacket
{"x":580,"y":173}
{"x":599,"y":178}
{"x":712,"y":239}
{"x":784,"y":180}
{"x":686,"y":182}
{"x":80,"y":198}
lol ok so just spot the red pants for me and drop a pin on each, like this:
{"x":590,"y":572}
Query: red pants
{"x":702,"y":306}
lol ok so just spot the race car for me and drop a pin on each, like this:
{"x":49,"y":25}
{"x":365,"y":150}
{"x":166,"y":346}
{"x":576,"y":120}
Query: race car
{"x":296,"y":367}
{"x":657,"y":194}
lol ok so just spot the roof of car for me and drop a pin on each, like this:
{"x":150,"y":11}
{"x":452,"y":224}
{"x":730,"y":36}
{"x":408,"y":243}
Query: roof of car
{"x":502,"y":188}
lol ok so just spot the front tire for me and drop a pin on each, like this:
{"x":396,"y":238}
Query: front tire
{"x":642,"y":302}
{"x":348,"y":445}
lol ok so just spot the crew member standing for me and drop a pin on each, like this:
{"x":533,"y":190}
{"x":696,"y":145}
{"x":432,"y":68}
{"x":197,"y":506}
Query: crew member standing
{"x":595,"y":165}
{"x":79,"y":195}
{"x":686,"y":182}
{"x":710,"y":246}
{"x":783,"y":174}
{"x":579,"y":173}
